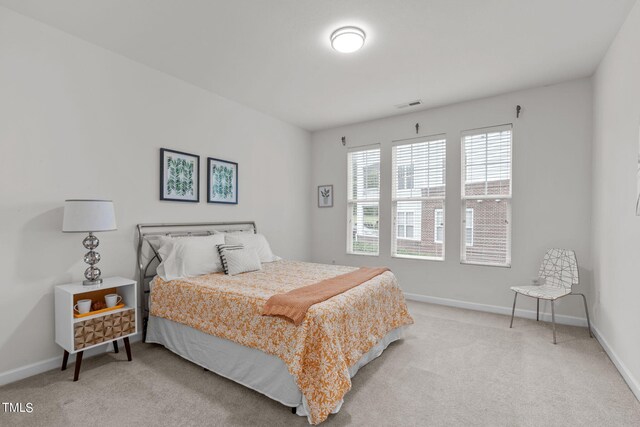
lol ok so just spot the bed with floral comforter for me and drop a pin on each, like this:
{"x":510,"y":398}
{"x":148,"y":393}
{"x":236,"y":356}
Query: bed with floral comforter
{"x":334,"y":335}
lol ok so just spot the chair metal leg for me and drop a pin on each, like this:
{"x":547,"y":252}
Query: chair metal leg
{"x":537,"y":309}
{"x":145,"y":321}
{"x":586,"y":310}
{"x":513,"y":310}
{"x":553,"y":320}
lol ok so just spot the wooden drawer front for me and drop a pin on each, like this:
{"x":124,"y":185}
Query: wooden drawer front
{"x":104,"y":328}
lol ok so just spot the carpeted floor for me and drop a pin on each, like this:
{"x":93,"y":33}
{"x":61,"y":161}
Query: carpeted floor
{"x":455,"y":367}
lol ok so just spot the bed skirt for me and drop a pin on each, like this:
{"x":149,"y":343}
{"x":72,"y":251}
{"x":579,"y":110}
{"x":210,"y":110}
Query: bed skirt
{"x":255,"y":369}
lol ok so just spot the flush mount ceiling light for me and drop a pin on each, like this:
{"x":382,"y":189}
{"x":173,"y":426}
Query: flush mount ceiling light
{"x":347,"y":39}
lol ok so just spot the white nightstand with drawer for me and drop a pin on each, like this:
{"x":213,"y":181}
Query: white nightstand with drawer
{"x":77,"y":334}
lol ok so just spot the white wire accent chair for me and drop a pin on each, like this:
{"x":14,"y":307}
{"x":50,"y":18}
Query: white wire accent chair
{"x":558,"y":274}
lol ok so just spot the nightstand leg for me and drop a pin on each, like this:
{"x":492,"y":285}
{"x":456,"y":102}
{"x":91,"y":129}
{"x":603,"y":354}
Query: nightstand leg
{"x":127,"y":347}
{"x":78,"y":363}
{"x":115,"y":346}
{"x":65,"y":359}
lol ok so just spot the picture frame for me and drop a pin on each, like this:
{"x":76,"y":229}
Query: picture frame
{"x":179,"y":176}
{"x":325,"y":196}
{"x":222,"y":181}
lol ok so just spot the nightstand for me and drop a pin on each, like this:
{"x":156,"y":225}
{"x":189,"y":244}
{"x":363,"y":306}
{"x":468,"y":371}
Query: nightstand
{"x":77,"y":334}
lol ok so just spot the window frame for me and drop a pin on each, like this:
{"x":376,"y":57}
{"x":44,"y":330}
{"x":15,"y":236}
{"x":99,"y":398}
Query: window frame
{"x":496,"y":197}
{"x":364,"y":201}
{"x":395,"y":199}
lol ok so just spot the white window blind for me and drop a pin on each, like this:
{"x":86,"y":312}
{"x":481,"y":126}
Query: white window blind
{"x":486,"y":196}
{"x":418,"y":193}
{"x":405,"y":177}
{"x":363,"y":198}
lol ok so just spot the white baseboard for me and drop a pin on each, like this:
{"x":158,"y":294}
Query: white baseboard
{"x":23,"y":372}
{"x":527,"y":314}
{"x":631,"y":381}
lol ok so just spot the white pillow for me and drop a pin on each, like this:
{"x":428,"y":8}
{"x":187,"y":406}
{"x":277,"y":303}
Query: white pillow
{"x":169,"y":267}
{"x":257,"y":242}
{"x":241,"y":261}
{"x":189,"y":256}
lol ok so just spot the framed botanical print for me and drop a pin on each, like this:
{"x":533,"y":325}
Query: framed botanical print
{"x":222,"y":181}
{"x":179,"y":176}
{"x":325,"y":196}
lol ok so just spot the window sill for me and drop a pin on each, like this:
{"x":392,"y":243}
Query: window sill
{"x":415,"y":257}
{"x":479,"y":264}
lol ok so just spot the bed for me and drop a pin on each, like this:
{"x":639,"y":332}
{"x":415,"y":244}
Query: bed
{"x":216,"y":321}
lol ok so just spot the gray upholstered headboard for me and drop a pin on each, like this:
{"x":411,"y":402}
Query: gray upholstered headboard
{"x":148,"y":257}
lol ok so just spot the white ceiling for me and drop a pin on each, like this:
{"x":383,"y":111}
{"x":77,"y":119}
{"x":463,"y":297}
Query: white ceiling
{"x":275,"y":56}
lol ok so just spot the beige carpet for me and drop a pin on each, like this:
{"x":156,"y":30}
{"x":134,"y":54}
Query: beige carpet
{"x":456,"y":367}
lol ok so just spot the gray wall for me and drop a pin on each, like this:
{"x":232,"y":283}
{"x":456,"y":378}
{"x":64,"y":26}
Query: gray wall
{"x":616,"y":228}
{"x":78,"y":121}
{"x":551,"y":191}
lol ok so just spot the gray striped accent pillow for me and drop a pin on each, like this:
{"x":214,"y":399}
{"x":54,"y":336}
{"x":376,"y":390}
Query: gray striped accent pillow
{"x":242,"y":261}
{"x":222,"y":249}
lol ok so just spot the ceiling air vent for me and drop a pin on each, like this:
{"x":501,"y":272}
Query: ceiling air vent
{"x":409,"y":104}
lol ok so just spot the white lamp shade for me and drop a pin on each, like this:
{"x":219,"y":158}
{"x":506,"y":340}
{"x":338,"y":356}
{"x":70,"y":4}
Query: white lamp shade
{"x":88,"y":216}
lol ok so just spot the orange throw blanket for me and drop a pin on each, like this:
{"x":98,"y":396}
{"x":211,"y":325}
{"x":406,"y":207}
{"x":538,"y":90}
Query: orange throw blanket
{"x":294,"y":304}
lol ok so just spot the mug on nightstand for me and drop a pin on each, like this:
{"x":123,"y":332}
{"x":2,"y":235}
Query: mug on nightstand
{"x":112,"y":300}
{"x":83,"y":306}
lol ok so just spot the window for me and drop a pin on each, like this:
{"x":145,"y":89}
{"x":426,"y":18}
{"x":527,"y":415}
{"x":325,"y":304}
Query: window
{"x":418,"y":194}
{"x":486,"y":196}
{"x":363,"y":201}
{"x":372,"y":176}
{"x":370,"y":219}
{"x":439,"y":226}
{"x":406,"y":228}
{"x":405,"y":177}
{"x":468,"y":227}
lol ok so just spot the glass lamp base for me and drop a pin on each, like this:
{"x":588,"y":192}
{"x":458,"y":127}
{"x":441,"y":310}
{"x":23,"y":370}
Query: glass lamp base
{"x":92,"y":282}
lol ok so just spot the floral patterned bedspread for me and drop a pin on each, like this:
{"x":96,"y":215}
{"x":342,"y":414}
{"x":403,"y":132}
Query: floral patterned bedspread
{"x":334,"y":335}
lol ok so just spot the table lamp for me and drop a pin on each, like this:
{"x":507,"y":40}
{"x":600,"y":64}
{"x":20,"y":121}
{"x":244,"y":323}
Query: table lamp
{"x":89,"y":216}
